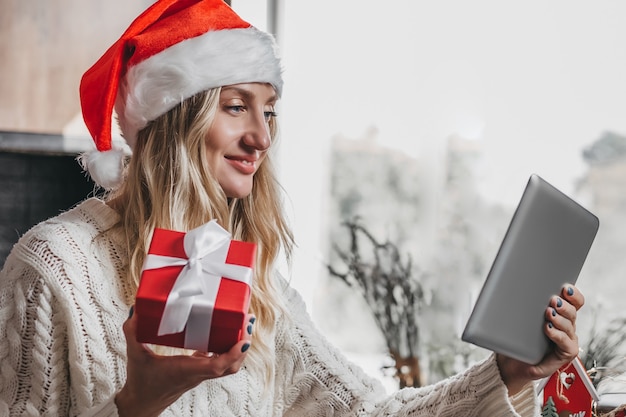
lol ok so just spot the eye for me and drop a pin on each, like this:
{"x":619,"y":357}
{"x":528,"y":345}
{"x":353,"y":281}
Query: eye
{"x":236,"y":109}
{"x":269,"y":115}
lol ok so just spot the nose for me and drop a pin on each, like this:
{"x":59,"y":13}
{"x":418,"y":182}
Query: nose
{"x":257,"y":133}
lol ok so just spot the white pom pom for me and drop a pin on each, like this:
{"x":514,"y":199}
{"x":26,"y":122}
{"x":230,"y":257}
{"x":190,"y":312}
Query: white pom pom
{"x":105,"y":168}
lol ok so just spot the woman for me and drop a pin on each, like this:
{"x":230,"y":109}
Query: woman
{"x":195,"y":89}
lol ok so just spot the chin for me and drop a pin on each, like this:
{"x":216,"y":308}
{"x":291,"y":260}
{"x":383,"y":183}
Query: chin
{"x":237,"y":189}
{"x":237,"y":193}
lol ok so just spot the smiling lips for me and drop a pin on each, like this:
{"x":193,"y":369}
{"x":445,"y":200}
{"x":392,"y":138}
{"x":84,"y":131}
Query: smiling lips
{"x":243,"y":164}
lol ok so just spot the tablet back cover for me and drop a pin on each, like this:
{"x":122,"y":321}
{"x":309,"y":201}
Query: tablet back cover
{"x":544,"y":247}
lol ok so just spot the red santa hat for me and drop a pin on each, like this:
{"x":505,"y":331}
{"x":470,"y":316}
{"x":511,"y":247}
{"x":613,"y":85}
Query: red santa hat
{"x":172,"y":51}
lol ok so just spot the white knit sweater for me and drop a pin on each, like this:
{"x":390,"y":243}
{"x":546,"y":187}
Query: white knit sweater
{"x":63,"y":353}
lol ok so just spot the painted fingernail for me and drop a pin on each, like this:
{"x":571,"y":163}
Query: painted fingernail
{"x":252,"y":320}
{"x":131,"y":311}
{"x":249,"y":328}
{"x":245,"y":347}
{"x":553,"y":312}
{"x":550,"y":325}
{"x":559,"y":302}
{"x":570,"y":291}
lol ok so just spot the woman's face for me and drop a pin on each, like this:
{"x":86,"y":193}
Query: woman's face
{"x":239,"y":137}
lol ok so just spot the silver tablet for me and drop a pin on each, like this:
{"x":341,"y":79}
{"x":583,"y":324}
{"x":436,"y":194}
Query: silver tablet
{"x":544,"y":247}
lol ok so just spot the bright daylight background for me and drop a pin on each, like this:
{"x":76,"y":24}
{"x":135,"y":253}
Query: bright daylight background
{"x":533,"y":83}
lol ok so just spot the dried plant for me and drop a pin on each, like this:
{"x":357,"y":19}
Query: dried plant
{"x":391,"y":291}
{"x":605,"y":353}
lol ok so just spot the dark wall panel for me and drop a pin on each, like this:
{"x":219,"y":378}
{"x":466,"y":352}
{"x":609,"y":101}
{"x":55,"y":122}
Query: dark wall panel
{"x":34,"y":187}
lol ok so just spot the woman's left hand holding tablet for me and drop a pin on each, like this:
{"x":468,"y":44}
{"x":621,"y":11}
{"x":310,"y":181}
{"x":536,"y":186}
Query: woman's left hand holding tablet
{"x":560,"y":327}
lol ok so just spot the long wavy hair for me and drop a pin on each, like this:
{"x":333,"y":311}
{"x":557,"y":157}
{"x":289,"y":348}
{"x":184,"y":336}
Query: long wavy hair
{"x":168,"y":184}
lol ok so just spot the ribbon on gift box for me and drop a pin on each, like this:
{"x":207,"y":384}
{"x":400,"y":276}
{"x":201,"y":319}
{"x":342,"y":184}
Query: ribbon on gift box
{"x":192,"y":298}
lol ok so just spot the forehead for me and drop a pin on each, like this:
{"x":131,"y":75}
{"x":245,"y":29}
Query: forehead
{"x":259,"y":91}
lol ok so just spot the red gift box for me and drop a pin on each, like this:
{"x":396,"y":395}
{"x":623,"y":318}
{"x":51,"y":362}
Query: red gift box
{"x":194,"y":291}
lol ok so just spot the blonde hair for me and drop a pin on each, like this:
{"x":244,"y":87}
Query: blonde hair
{"x":169,"y":185}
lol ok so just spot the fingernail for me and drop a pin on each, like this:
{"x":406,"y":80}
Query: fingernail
{"x":553,"y":312}
{"x":252,"y":320}
{"x":570,"y":291}
{"x":249,"y":328}
{"x":559,"y":302}
{"x":131,"y":311}
{"x":550,"y":325}
{"x":245,"y":347}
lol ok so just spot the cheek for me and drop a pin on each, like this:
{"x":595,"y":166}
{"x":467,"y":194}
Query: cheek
{"x":209,"y":149}
{"x":212,"y":144}
{"x":222,"y":132}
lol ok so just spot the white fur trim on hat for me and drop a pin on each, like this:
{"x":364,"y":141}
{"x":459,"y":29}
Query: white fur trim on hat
{"x":106,"y":168}
{"x":214,"y":59}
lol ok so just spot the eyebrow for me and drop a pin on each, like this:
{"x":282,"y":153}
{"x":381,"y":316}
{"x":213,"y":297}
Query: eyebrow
{"x":248,"y":95}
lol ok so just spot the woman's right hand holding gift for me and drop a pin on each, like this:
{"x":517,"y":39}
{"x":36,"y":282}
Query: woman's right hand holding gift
{"x":153,"y":382}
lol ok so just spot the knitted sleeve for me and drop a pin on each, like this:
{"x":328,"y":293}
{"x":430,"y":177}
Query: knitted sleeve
{"x":33,"y":361}
{"x":321,"y":382}
{"x":43,"y":372}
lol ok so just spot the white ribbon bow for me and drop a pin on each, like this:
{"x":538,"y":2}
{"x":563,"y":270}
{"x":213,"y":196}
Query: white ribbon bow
{"x":192,"y":299}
